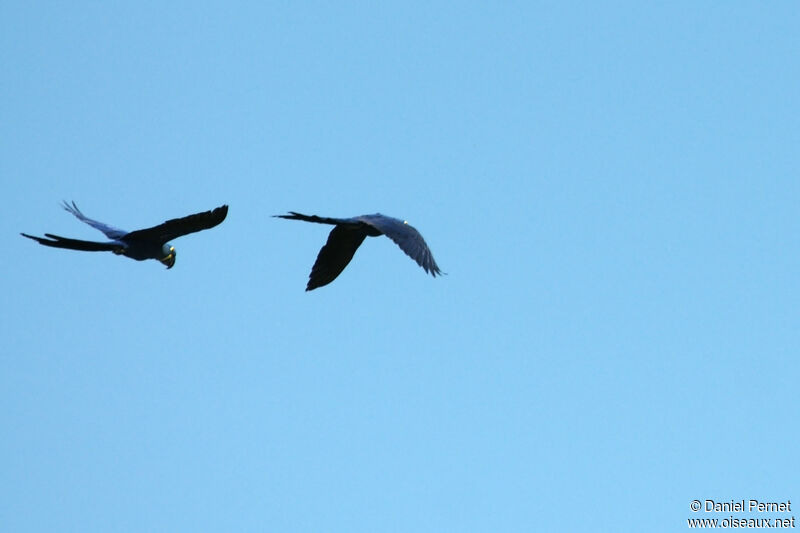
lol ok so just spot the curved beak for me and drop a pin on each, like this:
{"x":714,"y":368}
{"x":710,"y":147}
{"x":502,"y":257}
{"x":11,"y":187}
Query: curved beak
{"x":169,"y":260}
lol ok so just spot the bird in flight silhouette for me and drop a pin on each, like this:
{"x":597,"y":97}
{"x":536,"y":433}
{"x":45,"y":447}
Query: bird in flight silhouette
{"x":348,"y":234}
{"x":150,"y":243}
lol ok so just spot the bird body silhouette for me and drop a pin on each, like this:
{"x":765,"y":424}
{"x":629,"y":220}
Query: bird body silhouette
{"x":348,"y":234}
{"x":150,"y":243}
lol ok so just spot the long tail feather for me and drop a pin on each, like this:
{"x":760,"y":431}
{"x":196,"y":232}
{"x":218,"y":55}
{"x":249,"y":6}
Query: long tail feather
{"x":74,"y":244}
{"x":313,"y":218}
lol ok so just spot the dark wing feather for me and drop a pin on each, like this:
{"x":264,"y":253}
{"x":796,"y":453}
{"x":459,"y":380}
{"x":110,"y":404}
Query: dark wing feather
{"x":74,"y":244}
{"x":177,"y":227}
{"x":342,"y":244}
{"x":407,"y":238}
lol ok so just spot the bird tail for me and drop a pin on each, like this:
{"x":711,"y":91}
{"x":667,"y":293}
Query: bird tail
{"x":74,"y":244}
{"x":310,"y":218}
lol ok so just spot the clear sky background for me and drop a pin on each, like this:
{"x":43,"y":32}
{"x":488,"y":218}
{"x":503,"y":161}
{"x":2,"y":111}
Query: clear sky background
{"x":612,"y":189}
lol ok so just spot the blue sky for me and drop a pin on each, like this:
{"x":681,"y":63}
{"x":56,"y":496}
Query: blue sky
{"x":612,"y":190}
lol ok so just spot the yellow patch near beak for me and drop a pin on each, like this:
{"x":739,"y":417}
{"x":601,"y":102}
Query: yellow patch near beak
{"x":169,"y":260}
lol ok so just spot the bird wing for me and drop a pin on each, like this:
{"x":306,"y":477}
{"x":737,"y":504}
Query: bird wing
{"x":110,"y":231}
{"x":178,"y":227}
{"x":74,"y":244}
{"x":342,"y":244}
{"x":407,"y":238}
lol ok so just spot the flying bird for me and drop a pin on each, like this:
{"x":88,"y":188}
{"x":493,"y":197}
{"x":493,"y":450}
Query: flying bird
{"x":348,"y":234}
{"x":150,"y":243}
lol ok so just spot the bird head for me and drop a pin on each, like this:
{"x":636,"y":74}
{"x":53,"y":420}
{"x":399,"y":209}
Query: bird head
{"x":169,"y":256}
